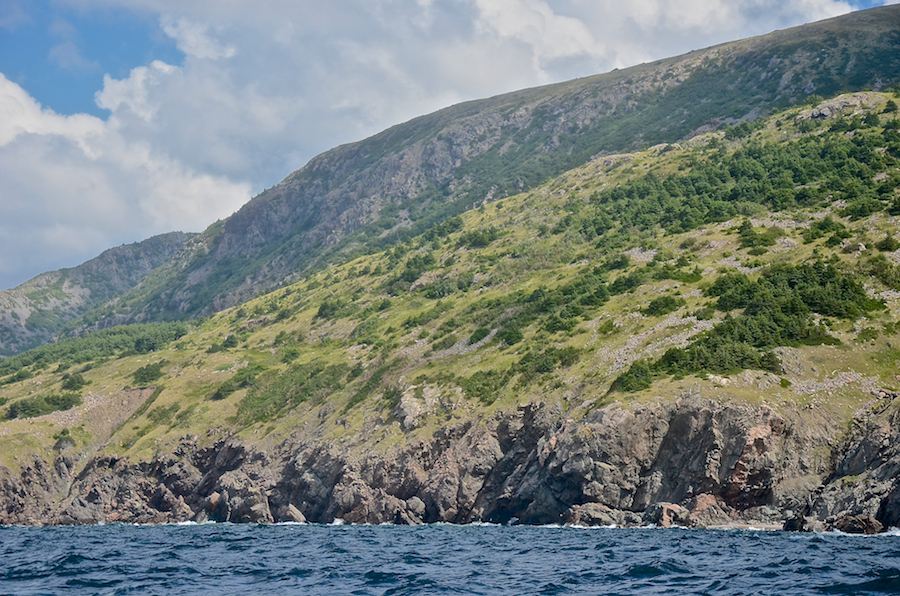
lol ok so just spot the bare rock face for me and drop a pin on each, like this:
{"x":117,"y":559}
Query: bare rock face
{"x":666,"y":515}
{"x":687,"y":463}
{"x":29,"y":318}
{"x":237,"y":498}
{"x":690,"y":463}
{"x":865,"y":483}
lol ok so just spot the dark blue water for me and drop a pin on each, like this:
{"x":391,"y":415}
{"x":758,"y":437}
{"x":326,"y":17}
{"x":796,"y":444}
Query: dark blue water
{"x":441,"y":559}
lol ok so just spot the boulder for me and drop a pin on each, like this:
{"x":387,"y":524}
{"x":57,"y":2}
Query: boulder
{"x":666,"y":515}
{"x":592,"y":514}
{"x":858,"y":524}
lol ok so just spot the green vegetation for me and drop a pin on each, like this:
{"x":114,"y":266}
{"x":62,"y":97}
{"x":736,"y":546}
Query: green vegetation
{"x":44,"y":404}
{"x":149,"y":373}
{"x":114,"y":342}
{"x":663,"y":306}
{"x":809,"y":171}
{"x":777,"y":311}
{"x":698,"y":260}
{"x":245,"y":377}
{"x":73,"y":382}
{"x":530,"y":138}
{"x":276,"y":392}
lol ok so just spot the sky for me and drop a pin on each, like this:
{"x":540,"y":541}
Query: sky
{"x":122,"y":119}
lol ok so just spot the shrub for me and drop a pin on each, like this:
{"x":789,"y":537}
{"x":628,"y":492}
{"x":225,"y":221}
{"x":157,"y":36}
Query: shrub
{"x":888,"y":244}
{"x":329,"y":308}
{"x":275,"y":392}
{"x":625,"y":283}
{"x":663,"y":306}
{"x":478,"y":335}
{"x":638,"y":377}
{"x":478,"y":238}
{"x":510,"y":335}
{"x":244,"y":378}
{"x":41,"y":405}
{"x":485,"y":385}
{"x":73,"y":382}
{"x":777,"y":312}
{"x":149,"y":373}
{"x":446,"y":342}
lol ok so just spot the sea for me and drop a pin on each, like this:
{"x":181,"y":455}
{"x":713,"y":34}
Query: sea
{"x":333,"y":560}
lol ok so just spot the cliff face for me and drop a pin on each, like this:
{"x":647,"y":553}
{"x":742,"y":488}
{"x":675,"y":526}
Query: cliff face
{"x":692,"y":462}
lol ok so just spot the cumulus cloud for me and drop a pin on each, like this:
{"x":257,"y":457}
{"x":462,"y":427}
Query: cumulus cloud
{"x":74,"y":186}
{"x":194,"y":39}
{"x":133,"y":94}
{"x":264,"y":86}
{"x":547,"y":35}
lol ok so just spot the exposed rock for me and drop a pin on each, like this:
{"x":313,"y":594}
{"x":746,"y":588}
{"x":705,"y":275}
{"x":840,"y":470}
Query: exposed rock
{"x":239,"y":500}
{"x":666,"y":515}
{"x":858,"y":524}
{"x":289,"y":513}
{"x":691,"y":463}
{"x":55,"y":297}
{"x":803,"y":523}
{"x":837,"y":106}
{"x":592,"y":514}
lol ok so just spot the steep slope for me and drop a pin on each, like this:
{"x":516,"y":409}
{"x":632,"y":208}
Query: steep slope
{"x":32,"y":313}
{"x":700,"y":333}
{"x":368,"y":195}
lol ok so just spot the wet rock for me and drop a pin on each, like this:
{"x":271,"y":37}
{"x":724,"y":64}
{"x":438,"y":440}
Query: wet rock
{"x":416,"y":506}
{"x":708,"y":510}
{"x":803,"y":523}
{"x":666,"y":515}
{"x":592,"y":514}
{"x":858,"y":524}
{"x":239,"y":500}
{"x":289,"y":513}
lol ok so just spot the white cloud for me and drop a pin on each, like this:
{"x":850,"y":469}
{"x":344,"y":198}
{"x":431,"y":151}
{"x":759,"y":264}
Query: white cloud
{"x":265,"y":85}
{"x":548,"y":35}
{"x":194,"y":40}
{"x":13,"y":14}
{"x":133,"y":94}
{"x":74,"y":186}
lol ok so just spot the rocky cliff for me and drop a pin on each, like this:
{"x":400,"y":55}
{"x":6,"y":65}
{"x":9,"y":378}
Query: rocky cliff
{"x":692,"y":462}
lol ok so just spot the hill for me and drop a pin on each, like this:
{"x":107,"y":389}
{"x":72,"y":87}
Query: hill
{"x":33,"y":313}
{"x":367,"y":196}
{"x":697,"y":333}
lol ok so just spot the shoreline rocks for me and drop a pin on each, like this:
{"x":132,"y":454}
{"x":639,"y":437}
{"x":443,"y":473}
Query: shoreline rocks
{"x":690,"y":463}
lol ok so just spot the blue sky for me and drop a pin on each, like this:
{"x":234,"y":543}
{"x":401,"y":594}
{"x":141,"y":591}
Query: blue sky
{"x":121,"y":119}
{"x":60,"y":54}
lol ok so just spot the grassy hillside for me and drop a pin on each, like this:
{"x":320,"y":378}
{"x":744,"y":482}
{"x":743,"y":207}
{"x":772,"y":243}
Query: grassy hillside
{"x":757,"y":264}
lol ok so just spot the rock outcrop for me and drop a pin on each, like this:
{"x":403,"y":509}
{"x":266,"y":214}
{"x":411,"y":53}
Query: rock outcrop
{"x":691,"y":463}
